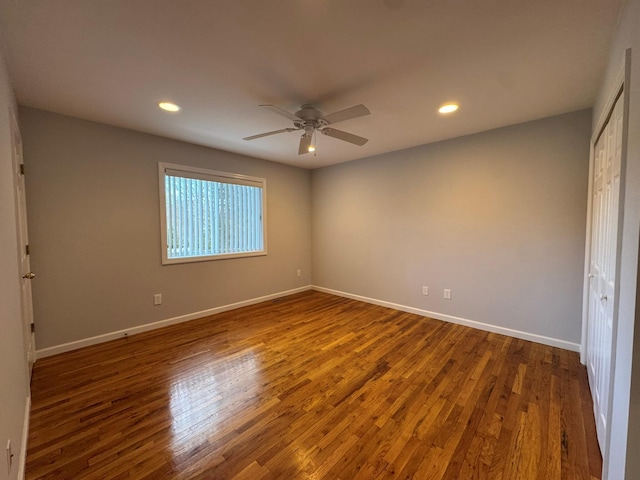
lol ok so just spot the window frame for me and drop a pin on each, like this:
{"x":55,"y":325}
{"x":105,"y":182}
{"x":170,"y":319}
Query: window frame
{"x":216,"y":176}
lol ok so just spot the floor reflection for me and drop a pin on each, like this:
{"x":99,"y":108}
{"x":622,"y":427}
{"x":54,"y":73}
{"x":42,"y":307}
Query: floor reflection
{"x":205,"y":395}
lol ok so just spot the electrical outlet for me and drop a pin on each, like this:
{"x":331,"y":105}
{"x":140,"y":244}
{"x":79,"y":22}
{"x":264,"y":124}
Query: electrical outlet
{"x":425,"y":290}
{"x":157,"y":299}
{"x":299,"y":272}
{"x":9,"y":456}
{"x":447,"y":293}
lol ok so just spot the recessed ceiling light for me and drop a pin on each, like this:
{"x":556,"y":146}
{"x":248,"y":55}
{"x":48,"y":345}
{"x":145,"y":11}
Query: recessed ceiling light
{"x":448,"y":108}
{"x":169,"y":107}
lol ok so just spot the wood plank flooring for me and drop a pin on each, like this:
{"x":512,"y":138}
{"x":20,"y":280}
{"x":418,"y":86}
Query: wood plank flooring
{"x":313,"y":386}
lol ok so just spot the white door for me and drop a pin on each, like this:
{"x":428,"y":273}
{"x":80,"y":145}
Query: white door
{"x":23,"y":246}
{"x":602,"y":266}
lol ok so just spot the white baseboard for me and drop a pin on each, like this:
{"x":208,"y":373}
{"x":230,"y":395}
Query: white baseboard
{"x":554,"y":342}
{"x":66,"y":347}
{"x":25,"y":437}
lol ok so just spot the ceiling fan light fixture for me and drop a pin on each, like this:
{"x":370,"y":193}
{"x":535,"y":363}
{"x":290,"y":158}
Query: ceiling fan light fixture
{"x":448,"y":108}
{"x":314,"y":141}
{"x":169,"y":107}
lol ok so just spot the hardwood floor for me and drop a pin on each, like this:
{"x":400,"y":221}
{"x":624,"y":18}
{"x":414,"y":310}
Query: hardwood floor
{"x":313,"y":386}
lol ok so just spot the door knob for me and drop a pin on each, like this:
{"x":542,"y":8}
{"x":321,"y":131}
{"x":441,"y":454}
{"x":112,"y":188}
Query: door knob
{"x":29,"y":275}
{"x":603,"y":297}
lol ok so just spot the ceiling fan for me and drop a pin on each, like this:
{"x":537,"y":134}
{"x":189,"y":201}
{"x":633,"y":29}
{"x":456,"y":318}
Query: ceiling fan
{"x":310,"y":119}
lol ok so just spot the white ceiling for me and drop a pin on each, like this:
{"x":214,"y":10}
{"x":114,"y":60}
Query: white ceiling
{"x":111,"y":61}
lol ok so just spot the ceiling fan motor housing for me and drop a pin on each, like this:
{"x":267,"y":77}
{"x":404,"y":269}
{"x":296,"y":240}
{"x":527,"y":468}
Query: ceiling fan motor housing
{"x":308,"y":112}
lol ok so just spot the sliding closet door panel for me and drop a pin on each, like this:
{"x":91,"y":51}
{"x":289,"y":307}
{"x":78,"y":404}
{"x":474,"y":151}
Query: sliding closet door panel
{"x":603,"y":258}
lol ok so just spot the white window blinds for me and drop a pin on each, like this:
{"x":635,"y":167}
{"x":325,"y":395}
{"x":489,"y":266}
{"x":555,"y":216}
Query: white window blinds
{"x":210,"y":214}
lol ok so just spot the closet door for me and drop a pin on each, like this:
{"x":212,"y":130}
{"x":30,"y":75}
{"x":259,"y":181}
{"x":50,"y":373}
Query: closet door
{"x":603,"y":262}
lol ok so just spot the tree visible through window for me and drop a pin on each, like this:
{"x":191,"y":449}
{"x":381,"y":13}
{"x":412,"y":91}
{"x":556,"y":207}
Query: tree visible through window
{"x":208,"y":215}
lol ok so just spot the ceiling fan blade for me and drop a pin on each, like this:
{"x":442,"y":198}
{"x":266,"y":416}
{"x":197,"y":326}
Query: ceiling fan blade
{"x":260,"y":135}
{"x":305,"y":143}
{"x":347,"y":114}
{"x":280,"y":111}
{"x":347,"y":137}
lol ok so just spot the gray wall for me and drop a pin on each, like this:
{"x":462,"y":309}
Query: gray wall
{"x":498,"y":217}
{"x":622,"y":461}
{"x":14,"y":388}
{"x":94,"y":226}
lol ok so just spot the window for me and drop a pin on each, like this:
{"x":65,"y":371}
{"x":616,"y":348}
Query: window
{"x":208,"y":215}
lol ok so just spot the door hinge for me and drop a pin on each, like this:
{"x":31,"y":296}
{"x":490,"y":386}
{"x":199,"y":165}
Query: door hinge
{"x":26,"y":250}
{"x":22,"y":169}
{"x":33,"y":328}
